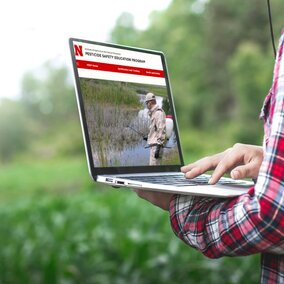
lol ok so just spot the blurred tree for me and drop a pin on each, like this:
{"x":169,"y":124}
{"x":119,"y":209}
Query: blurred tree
{"x":44,"y":121}
{"x":220,"y":62}
{"x":228,"y":25}
{"x":277,"y":8}
{"x":14,"y":129}
{"x":200,"y":38}
{"x":178,"y":32}
{"x":48,"y":94}
{"x":124,"y":31}
{"x":251,"y":73}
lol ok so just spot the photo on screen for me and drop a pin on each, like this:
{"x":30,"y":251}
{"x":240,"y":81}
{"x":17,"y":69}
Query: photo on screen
{"x":118,"y":122}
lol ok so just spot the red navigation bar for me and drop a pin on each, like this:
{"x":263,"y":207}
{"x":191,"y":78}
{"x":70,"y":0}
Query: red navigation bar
{"x":119,"y":68}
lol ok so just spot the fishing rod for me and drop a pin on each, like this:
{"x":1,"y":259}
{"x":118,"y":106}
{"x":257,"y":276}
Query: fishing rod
{"x":145,"y":137}
{"x":138,"y":132}
{"x":149,"y":146}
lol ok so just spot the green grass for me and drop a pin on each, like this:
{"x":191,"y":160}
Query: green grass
{"x":108,"y":92}
{"x":59,"y":227}
{"x":43,"y":177}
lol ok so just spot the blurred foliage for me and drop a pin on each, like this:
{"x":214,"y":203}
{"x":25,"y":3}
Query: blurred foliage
{"x":14,"y":130}
{"x":48,"y":94}
{"x":220,"y":63}
{"x":251,"y":70}
{"x":65,"y":231}
{"x":44,"y":122}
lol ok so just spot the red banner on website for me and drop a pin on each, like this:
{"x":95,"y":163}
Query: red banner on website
{"x":83,"y":64}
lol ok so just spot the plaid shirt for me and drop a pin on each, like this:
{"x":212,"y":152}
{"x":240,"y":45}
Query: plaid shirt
{"x":253,"y":222}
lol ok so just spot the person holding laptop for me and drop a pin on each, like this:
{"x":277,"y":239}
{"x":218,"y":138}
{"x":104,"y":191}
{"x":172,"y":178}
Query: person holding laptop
{"x":254,"y":221}
{"x":157,"y":130}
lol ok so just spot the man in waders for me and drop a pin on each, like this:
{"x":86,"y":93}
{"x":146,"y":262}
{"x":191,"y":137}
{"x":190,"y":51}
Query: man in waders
{"x":157,"y":130}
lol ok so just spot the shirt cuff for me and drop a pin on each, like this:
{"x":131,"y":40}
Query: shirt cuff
{"x":180,"y":207}
{"x":178,"y":210}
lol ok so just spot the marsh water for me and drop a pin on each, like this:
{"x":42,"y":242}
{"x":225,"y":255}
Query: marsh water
{"x":116,"y":134}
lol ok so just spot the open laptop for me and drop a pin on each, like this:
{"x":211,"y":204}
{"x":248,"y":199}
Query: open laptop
{"x":112,"y":82}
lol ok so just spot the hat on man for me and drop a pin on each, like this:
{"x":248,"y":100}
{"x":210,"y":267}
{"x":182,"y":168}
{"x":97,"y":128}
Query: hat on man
{"x":150,"y":97}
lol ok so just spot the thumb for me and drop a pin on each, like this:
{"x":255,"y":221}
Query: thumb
{"x":240,"y":172}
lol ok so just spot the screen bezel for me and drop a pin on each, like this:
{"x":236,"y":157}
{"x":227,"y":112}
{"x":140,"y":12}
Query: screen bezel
{"x":94,"y":171}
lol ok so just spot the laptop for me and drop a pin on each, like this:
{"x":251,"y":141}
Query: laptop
{"x":112,"y":84}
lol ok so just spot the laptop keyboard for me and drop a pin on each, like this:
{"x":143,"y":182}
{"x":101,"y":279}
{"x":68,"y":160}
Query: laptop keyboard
{"x":180,"y":180}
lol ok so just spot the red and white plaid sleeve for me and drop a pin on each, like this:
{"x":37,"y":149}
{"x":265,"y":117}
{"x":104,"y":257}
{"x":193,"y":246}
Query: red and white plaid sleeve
{"x":253,"y":222}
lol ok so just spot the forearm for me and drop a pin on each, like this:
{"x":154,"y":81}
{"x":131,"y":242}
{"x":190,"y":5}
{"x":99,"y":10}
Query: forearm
{"x":188,"y":219}
{"x":223,"y":227}
{"x":192,"y":223}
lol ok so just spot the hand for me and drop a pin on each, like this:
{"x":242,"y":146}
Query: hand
{"x":243,"y":161}
{"x":159,"y":199}
{"x":157,"y":152}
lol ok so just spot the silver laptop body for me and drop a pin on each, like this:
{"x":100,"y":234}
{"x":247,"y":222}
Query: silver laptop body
{"x":112,"y":82}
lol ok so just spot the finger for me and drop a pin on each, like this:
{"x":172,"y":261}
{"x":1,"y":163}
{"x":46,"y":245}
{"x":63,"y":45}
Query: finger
{"x":245,"y":171}
{"x":225,"y":165}
{"x":137,"y":191}
{"x":160,"y":199}
{"x":218,"y":173}
{"x":196,"y":171}
{"x":188,"y":167}
{"x":141,"y":193}
{"x":201,"y":166}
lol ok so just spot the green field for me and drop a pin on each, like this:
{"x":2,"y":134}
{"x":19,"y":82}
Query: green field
{"x":59,"y":227}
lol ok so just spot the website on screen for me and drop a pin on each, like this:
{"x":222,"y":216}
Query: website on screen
{"x":126,"y":105}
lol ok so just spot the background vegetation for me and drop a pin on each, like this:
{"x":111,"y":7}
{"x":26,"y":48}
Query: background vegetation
{"x":57,"y":226}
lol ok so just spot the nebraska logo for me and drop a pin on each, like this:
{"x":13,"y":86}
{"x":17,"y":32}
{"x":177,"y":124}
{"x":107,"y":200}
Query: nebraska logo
{"x":78,"y":50}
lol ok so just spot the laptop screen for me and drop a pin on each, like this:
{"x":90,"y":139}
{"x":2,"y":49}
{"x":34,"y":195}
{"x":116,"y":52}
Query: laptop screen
{"x":126,"y":106}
